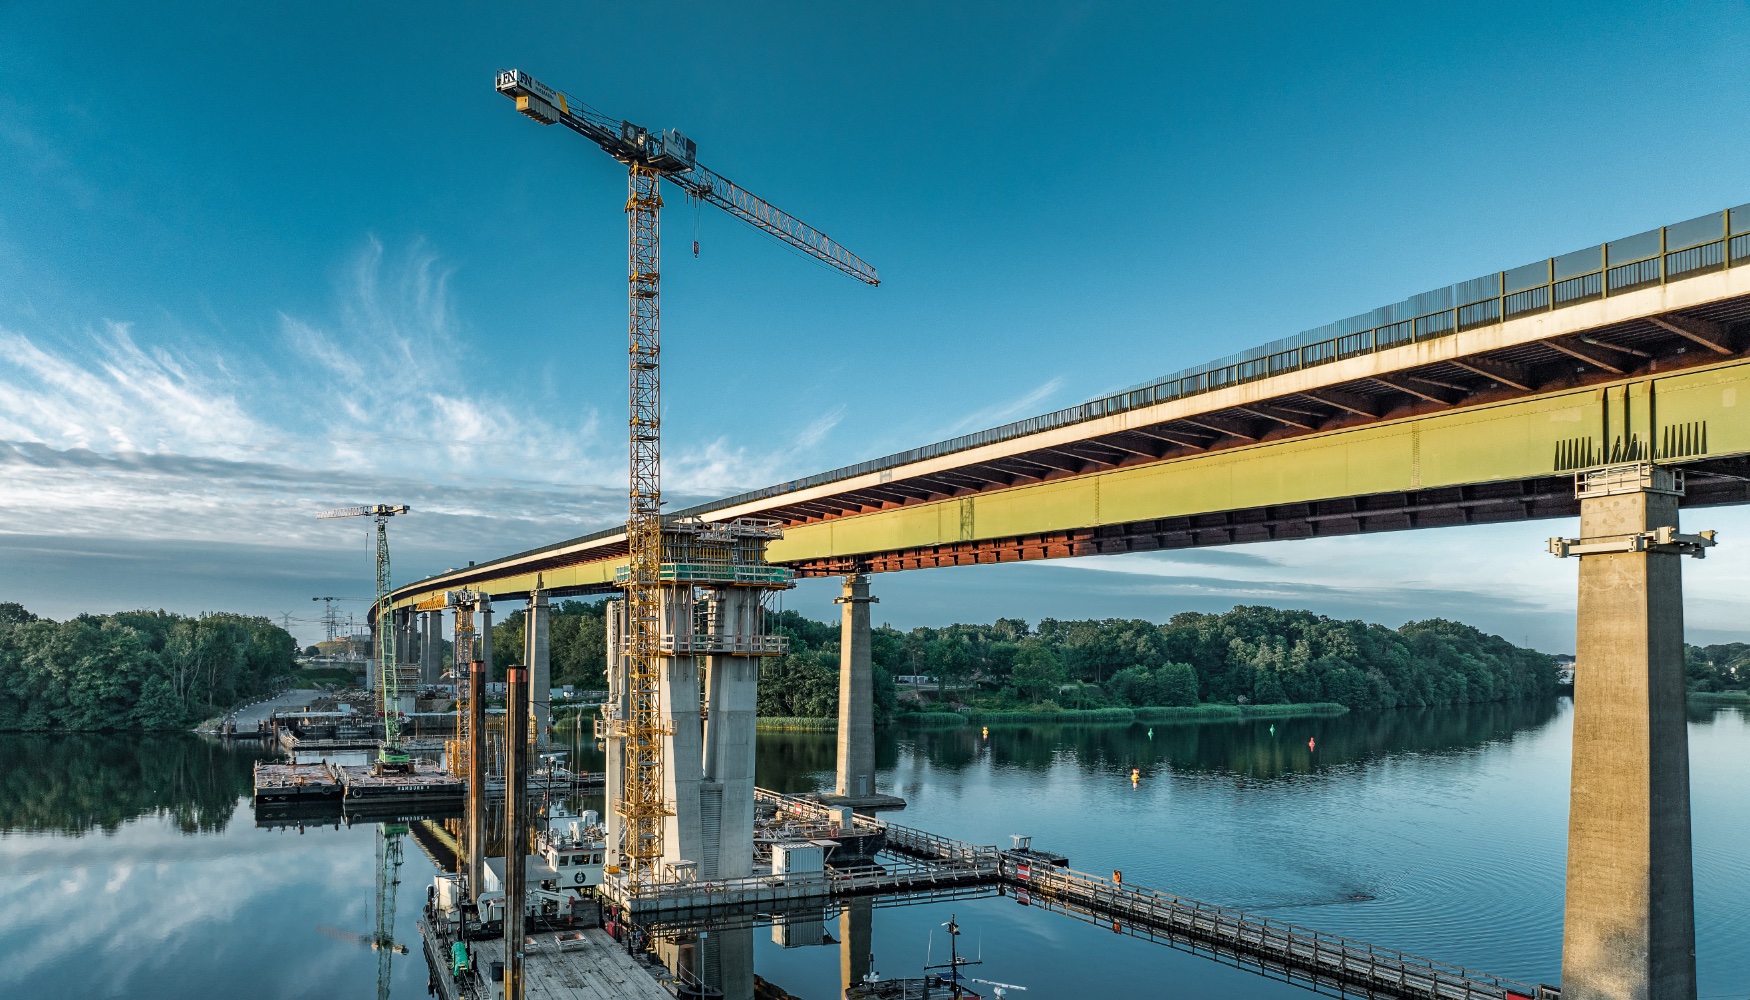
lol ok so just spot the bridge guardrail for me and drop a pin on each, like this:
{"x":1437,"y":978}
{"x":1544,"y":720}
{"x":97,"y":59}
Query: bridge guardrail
{"x":1698,"y":246}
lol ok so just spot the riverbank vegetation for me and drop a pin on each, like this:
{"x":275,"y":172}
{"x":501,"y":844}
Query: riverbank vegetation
{"x":140,"y":670}
{"x":1251,"y":661}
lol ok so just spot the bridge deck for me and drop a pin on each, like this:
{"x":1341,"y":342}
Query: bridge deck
{"x":1434,"y":411}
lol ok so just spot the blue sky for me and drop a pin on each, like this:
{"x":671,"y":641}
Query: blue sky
{"x":258,"y":261}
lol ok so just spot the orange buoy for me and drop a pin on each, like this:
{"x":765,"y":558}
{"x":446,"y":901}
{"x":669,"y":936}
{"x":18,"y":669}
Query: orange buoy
{"x":1312,"y":744}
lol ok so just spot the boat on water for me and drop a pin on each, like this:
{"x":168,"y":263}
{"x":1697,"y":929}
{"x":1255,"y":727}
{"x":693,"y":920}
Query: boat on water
{"x":562,"y":869}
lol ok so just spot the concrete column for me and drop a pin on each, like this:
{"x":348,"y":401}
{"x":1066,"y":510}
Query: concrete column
{"x":376,"y":651}
{"x":1629,"y":928}
{"x":683,"y":760}
{"x":537,"y":654}
{"x":732,"y":692}
{"x":485,"y":605}
{"x":403,"y":635}
{"x":431,"y":647}
{"x":855,"y":925}
{"x":856,"y":765}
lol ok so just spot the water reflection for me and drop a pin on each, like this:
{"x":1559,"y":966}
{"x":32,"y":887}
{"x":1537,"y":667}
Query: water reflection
{"x":1441,"y":832}
{"x":75,"y":783}
{"x":1253,"y":748}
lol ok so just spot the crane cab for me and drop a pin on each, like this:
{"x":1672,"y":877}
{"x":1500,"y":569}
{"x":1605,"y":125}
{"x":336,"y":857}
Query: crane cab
{"x":673,"y":151}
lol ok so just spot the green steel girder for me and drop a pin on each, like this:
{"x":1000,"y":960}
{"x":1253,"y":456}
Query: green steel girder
{"x":1694,"y":416}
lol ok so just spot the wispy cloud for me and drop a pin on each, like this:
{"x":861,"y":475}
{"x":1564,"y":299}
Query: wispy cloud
{"x":820,"y":427}
{"x":123,"y":399}
{"x":1026,"y":405}
{"x":126,"y":444}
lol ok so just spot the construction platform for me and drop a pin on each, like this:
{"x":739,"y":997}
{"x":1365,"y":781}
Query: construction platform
{"x":562,"y":965}
{"x":425,"y":784}
{"x":297,"y":783}
{"x":869,"y":803}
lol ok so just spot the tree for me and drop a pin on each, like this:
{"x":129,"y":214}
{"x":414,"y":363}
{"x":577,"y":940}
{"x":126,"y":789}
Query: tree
{"x":1036,"y":671}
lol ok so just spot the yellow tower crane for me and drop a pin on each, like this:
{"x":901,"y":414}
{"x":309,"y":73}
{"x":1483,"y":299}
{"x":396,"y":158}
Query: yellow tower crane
{"x":651,"y":157}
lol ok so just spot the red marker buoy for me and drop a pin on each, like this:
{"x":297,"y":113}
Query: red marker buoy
{"x":1312,"y":744}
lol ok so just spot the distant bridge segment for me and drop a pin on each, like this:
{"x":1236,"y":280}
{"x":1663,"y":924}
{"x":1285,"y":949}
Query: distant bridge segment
{"x":1470,"y":404}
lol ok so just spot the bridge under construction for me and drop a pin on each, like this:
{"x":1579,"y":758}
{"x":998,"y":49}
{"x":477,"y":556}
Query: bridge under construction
{"x":1604,"y":383}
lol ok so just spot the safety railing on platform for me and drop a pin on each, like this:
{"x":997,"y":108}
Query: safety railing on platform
{"x":893,"y":876}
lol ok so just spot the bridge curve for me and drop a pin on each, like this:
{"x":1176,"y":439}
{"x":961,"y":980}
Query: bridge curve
{"x":1474,"y":403}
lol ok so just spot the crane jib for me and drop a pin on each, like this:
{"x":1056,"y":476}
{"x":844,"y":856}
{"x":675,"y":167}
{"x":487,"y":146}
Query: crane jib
{"x":674,"y":156}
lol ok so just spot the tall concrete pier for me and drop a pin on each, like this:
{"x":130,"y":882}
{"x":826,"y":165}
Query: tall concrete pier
{"x":618,"y":707}
{"x":537,"y":654}
{"x":1629,"y":928}
{"x":431,"y":646}
{"x":856,"y":765}
{"x":732,"y":675}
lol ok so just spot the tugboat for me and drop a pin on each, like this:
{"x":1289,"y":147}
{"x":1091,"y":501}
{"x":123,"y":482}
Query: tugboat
{"x":563,"y":868}
{"x":939,"y":982}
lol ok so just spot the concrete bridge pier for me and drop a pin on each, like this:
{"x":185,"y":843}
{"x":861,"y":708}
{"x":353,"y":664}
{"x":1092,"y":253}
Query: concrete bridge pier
{"x":431,"y":644}
{"x":855,"y":785}
{"x":537,"y":653}
{"x":731,"y":690}
{"x":1629,"y":928}
{"x":856,"y":764}
{"x":683,"y":745}
{"x":403,"y":635}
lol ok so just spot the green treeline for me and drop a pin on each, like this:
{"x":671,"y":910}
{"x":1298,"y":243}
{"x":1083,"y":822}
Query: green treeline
{"x":1718,"y":669}
{"x":1250,"y":655}
{"x":139,"y":670}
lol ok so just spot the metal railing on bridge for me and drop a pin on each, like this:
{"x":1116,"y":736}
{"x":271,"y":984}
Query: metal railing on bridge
{"x":1670,"y":253}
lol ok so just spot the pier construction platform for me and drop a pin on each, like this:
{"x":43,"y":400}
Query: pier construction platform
{"x":423,"y":784}
{"x":285,"y":784}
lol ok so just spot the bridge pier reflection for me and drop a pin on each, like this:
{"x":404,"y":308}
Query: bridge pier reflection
{"x":1629,"y":927}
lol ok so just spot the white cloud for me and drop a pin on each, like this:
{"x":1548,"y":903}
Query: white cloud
{"x":125,"y":399}
{"x":1026,"y":405}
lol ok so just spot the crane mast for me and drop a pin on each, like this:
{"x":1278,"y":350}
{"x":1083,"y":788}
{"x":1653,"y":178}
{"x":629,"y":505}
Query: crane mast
{"x":650,"y":158}
{"x":388,"y":688}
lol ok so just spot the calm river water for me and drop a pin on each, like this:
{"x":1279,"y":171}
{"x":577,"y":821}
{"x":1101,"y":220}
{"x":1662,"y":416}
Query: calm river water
{"x":133,"y":867}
